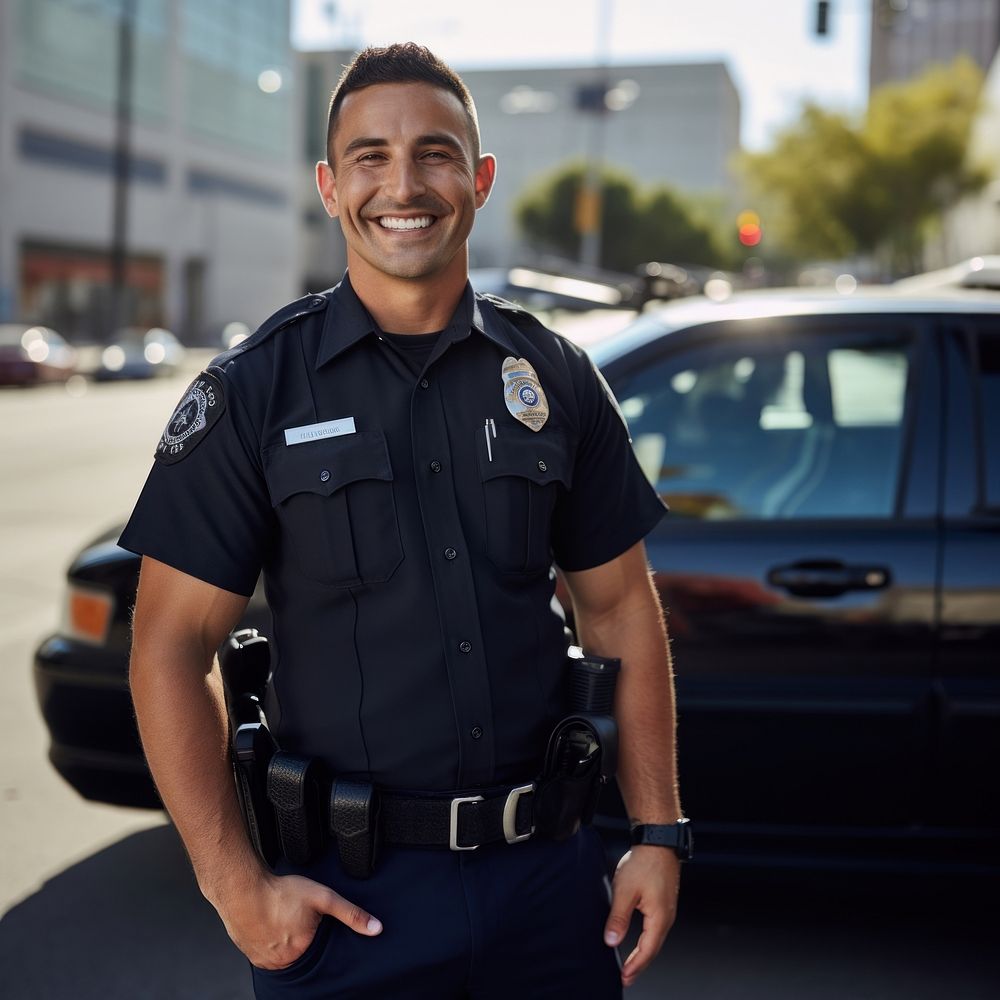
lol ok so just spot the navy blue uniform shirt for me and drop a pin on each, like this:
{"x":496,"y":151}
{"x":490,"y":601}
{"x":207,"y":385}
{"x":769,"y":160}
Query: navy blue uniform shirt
{"x":406,"y":525}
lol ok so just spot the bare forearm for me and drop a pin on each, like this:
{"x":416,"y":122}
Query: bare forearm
{"x":644,"y":703}
{"x":182,"y":721}
{"x":177,"y":692}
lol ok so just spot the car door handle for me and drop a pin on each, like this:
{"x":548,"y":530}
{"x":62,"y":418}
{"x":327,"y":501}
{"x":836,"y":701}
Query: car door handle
{"x":827,"y":578}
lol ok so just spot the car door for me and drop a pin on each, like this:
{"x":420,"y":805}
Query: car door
{"x":968,"y":722}
{"x":798,"y":456}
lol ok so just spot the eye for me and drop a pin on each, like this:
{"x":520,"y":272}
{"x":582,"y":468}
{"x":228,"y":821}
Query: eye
{"x":435,"y":154}
{"x":371,"y":158}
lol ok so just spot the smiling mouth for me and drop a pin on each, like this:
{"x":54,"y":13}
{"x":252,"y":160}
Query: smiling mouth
{"x":398,"y":223}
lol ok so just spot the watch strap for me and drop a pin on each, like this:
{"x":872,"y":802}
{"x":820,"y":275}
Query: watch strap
{"x":677,"y":836}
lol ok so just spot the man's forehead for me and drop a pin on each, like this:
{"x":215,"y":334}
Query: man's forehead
{"x":391,"y":106}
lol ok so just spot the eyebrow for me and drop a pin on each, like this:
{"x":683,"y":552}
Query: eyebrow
{"x":432,"y":139}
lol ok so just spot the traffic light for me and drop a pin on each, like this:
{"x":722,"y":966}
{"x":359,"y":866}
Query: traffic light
{"x":748,"y":230}
{"x":822,"y":17}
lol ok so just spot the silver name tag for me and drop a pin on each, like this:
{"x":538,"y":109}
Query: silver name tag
{"x":315,"y":432}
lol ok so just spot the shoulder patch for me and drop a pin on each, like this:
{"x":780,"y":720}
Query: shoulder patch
{"x":196,"y":414}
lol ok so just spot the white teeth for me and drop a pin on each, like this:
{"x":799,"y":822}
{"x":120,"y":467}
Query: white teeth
{"x":391,"y":222}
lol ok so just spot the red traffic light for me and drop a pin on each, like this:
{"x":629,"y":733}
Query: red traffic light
{"x":748,"y":229}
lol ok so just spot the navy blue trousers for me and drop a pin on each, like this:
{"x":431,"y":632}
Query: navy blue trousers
{"x":503,"y":922}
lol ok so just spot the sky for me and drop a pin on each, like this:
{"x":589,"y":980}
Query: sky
{"x":770,"y":47}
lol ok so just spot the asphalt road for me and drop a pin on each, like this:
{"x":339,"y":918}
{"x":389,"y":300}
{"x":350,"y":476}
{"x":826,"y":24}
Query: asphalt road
{"x":98,"y":902}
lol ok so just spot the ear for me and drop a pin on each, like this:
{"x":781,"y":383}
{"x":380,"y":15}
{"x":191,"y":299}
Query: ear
{"x":326,"y":184}
{"x":486,"y":173}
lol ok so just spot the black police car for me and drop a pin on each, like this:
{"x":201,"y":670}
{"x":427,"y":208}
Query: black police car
{"x":831,"y":568}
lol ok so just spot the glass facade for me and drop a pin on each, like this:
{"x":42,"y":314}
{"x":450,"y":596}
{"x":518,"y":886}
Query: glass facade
{"x":226,"y":45}
{"x":69,"y":49}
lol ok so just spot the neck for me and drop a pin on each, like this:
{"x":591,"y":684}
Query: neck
{"x":409,"y":305}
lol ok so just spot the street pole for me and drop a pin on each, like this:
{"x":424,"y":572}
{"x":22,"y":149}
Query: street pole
{"x":590,"y":241}
{"x":122,"y":167}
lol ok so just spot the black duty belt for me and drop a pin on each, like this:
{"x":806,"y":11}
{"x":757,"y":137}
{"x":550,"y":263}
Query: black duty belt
{"x":310,"y":812}
{"x":459,"y":822}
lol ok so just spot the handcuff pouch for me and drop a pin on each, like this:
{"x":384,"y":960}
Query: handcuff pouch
{"x":293,"y":788}
{"x":354,"y":822}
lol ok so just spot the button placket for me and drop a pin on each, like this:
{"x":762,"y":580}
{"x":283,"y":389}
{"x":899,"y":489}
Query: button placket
{"x":431,"y":446}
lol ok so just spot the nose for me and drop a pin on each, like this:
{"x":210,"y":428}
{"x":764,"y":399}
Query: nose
{"x":405,"y":182}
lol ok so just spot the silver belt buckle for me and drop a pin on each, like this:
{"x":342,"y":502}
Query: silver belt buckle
{"x":453,"y":827}
{"x":510,"y":833}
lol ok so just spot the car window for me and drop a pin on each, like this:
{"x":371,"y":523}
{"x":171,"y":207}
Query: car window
{"x":989,"y":396}
{"x":782,"y":428}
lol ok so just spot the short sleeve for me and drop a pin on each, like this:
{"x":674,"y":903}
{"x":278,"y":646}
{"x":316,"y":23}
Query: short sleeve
{"x":204,"y":508}
{"x":611,"y":504}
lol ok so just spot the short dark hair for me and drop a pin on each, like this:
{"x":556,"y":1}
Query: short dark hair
{"x":402,"y":62}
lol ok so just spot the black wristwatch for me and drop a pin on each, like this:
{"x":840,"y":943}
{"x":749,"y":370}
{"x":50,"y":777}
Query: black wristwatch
{"x":677,"y":836}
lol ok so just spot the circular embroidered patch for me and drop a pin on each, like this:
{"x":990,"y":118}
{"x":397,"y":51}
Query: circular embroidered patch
{"x":196,"y":413}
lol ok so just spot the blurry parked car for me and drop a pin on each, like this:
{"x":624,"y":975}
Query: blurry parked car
{"x":139,"y":353}
{"x":831,"y":569}
{"x":30,"y":355}
{"x":976,"y":272}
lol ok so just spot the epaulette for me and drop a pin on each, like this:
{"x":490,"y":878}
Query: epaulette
{"x":511,"y":310}
{"x":286,"y":314}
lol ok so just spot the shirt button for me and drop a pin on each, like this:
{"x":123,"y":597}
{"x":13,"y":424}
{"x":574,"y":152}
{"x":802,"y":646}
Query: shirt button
{"x":324,"y":476}
{"x":435,"y":466}
{"x":424,"y":383}
{"x":450,"y":554}
{"x":476,"y":733}
{"x":542,"y":467}
{"x":465,"y":647}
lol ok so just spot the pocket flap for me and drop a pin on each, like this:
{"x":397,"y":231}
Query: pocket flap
{"x":326,"y":466}
{"x":541,"y":458}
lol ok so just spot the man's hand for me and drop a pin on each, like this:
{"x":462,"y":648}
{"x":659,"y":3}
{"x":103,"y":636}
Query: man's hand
{"x":274,"y":920}
{"x":647,"y":880}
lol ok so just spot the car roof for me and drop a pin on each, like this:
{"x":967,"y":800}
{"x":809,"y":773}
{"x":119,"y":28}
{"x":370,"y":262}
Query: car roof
{"x":775,"y":303}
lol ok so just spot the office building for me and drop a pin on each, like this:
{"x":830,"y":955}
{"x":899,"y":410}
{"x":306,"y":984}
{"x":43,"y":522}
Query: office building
{"x":910,"y":35}
{"x":212,"y":233}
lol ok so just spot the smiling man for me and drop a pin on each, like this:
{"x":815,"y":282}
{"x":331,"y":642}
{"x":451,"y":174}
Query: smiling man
{"x":405,"y":461}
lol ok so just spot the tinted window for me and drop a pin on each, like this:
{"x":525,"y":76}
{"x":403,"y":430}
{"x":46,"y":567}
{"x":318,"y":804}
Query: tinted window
{"x":793,"y":427}
{"x":989,"y":394}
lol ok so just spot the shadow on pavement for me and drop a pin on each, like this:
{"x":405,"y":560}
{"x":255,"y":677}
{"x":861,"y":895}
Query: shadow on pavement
{"x":766,"y":935}
{"x":127,"y":923}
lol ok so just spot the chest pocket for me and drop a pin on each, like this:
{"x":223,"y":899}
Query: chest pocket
{"x":335,"y":505}
{"x":520,"y":486}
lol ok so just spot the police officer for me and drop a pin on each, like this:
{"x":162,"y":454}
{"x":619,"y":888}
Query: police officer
{"x":404,"y":460}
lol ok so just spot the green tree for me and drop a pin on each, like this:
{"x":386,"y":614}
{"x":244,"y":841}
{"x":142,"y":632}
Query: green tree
{"x":637,"y":225}
{"x":831,"y":187}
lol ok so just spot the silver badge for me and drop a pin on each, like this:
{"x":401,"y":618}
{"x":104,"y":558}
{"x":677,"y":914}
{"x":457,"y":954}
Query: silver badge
{"x":522,"y":392}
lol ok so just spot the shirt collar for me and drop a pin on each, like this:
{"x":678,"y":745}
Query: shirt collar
{"x":347,"y":321}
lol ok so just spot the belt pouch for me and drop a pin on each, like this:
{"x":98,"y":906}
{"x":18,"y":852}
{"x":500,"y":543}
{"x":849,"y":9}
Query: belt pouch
{"x":253,"y":748}
{"x":354,"y":821}
{"x":293,"y":788}
{"x":571,"y":781}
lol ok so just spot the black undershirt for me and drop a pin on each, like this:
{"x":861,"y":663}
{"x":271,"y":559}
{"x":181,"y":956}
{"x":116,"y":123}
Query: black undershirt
{"x":414,"y":348}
